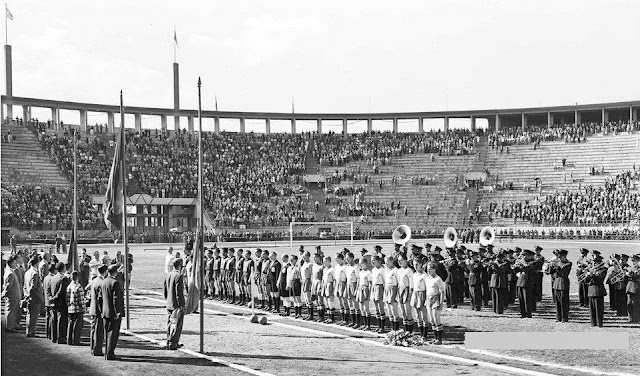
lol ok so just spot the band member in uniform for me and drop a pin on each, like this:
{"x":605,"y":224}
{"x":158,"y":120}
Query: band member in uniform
{"x":560,"y":270}
{"x":391,"y":291}
{"x":328,"y":288}
{"x":419,"y":295}
{"x":340,"y":273}
{"x":434,"y":301}
{"x":364,"y":293}
{"x":460,"y":275}
{"x":377,"y":291}
{"x":316,"y":287}
{"x":512,"y":290}
{"x":613,"y":259}
{"x":498,"y":283}
{"x":527,"y":273}
{"x":485,"y":277}
{"x":581,"y":265}
{"x":539,"y":277}
{"x":282,"y":285}
{"x":619,"y":286}
{"x":351,"y":270}
{"x":633,"y":290}
{"x":305,"y":272}
{"x":451,"y":265}
{"x":596,"y":291}
{"x":238,"y":277}
{"x":272,"y":276}
{"x":248,"y":269}
{"x":294,"y":285}
{"x":475,"y":287}
{"x":405,"y":285}
{"x":231,"y":276}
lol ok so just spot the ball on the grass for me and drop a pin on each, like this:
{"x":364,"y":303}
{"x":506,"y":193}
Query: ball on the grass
{"x":263,"y":320}
{"x":254,"y":319}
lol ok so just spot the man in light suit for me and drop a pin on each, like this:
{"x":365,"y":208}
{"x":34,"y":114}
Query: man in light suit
{"x":12,"y":292}
{"x":111,"y":294}
{"x":174,"y":294}
{"x":95,"y":312}
{"x":35,"y":295}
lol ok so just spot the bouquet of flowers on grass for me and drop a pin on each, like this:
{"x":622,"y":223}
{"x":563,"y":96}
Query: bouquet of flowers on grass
{"x":404,"y":339}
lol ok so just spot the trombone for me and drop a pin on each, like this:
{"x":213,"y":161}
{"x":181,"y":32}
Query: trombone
{"x":590,"y":270}
{"x":618,"y":274}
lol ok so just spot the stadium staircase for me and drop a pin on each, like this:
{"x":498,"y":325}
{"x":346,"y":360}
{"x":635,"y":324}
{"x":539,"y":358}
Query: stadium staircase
{"x":445,"y":200}
{"x":311,"y":168}
{"x":616,"y":153}
{"x":24,"y":162}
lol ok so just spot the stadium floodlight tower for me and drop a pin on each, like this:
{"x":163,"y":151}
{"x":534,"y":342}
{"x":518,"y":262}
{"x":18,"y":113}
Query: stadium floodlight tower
{"x":320,"y":226}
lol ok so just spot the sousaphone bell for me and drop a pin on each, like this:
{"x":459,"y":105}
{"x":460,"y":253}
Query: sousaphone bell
{"x":487,"y":236}
{"x":450,"y":237}
{"x":401,"y":235}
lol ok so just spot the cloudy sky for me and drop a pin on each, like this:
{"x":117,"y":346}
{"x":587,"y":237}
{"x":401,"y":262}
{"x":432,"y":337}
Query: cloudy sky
{"x":331,"y":56}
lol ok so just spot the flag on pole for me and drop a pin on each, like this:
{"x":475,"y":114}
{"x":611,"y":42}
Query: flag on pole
{"x":195,"y":285}
{"x":72,"y":259}
{"x":175,"y":36}
{"x":8,"y":12}
{"x":112,"y":209}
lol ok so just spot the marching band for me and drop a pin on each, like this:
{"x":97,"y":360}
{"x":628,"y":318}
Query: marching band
{"x":414,"y":287}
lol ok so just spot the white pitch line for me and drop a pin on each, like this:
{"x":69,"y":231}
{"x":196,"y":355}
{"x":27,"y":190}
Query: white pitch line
{"x":197,"y":354}
{"x":413,"y":350}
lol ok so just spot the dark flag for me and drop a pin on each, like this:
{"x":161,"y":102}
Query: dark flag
{"x":113,"y":205}
{"x":195,"y":285}
{"x":72,"y":259}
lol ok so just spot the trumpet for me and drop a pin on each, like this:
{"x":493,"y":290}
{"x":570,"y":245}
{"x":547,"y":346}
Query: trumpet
{"x":618,"y":274}
{"x":520,"y":263}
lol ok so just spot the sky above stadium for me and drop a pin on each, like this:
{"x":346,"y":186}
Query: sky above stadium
{"x":330,"y":56}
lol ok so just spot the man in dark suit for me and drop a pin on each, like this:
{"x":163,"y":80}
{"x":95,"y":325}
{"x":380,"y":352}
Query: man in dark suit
{"x":111,"y":294}
{"x":527,"y":271}
{"x":95,"y":312}
{"x":596,"y":291}
{"x":633,"y":290}
{"x":174,"y":294}
{"x":451,"y":282}
{"x":560,"y":269}
{"x":58,"y":301}
{"x":540,"y":276}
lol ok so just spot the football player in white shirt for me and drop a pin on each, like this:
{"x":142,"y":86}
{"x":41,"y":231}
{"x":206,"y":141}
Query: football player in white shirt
{"x":305,"y":273}
{"x":377,"y":291}
{"x":351,"y":271}
{"x":419,"y":295}
{"x":316,"y":286}
{"x":294,"y":285}
{"x":339,"y":271}
{"x":391,"y":292}
{"x":435,"y":300}
{"x":364,"y":293}
{"x":405,"y":287}
{"x":328,"y":289}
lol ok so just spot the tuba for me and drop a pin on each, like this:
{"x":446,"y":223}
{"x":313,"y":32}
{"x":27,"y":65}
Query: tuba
{"x":401,"y":235}
{"x":450,"y":237}
{"x":487,"y":236}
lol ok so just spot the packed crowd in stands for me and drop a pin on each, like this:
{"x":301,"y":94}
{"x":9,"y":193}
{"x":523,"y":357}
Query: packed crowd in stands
{"x":569,"y":133}
{"x":613,"y":203}
{"x":378,"y":149}
{"x":45,"y":208}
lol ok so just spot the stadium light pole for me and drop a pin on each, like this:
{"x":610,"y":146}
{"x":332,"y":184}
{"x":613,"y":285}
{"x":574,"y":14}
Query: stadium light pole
{"x":200,"y":244}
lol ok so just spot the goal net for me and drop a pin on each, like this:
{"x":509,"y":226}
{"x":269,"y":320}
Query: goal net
{"x":304,"y":232}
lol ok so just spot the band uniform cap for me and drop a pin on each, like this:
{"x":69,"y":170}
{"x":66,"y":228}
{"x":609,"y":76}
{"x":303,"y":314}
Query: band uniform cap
{"x":616,"y":255}
{"x":584,"y":251}
{"x":563,"y":252}
{"x":529,"y":252}
{"x":475,"y":253}
{"x":596,"y":252}
{"x":518,"y":249}
{"x":597,"y":257}
{"x":489,"y":246}
{"x":318,"y":247}
{"x":437,"y":249}
{"x":415,"y":246}
{"x":363,"y":251}
{"x":427,"y":245}
{"x":509,"y":251}
{"x":624,"y":256}
{"x":636,"y":257}
{"x":345,"y":249}
{"x":538,"y":248}
{"x":377,"y":247}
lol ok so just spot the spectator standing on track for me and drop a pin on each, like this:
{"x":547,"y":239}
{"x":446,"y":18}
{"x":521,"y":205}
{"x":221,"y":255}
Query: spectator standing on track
{"x":168,"y":261}
{"x":48,"y":305}
{"x":95,"y":312}
{"x":174,"y":294}
{"x":11,"y":291}
{"x":34,"y":295}
{"x":57,"y":292}
{"x":75,"y":307}
{"x":112,"y":310}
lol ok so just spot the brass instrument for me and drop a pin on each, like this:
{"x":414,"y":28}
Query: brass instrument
{"x":590,"y":270}
{"x":487,"y":236}
{"x":450,"y":237}
{"x":618,"y":274}
{"x":401,"y":235}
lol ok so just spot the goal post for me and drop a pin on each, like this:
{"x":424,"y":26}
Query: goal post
{"x":321,"y":229}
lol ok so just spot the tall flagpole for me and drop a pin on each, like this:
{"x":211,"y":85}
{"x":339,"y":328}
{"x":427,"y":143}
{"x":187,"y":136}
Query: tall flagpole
{"x":124,"y":210}
{"x":75,"y":191}
{"x":200,"y":244}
